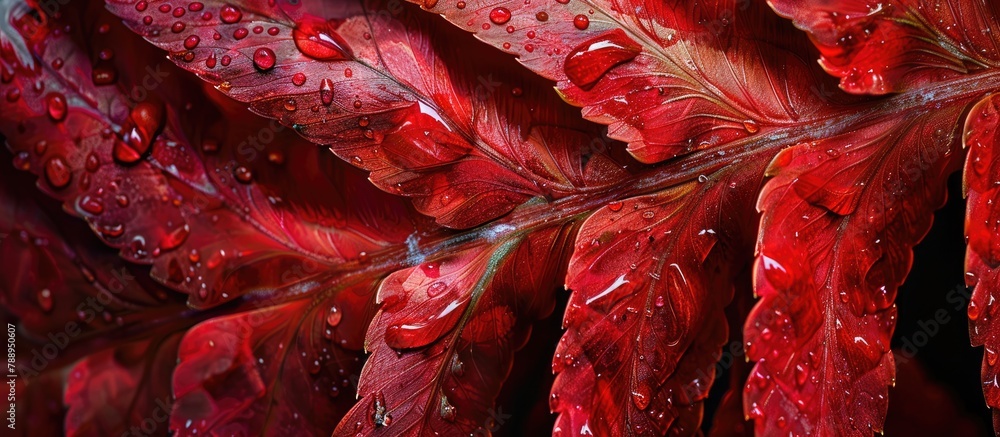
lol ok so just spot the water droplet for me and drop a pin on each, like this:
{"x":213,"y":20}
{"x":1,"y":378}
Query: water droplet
{"x":57,"y":172}
{"x":380,"y":414}
{"x":430,"y":269}
{"x":973,"y":310}
{"x":191,"y":42}
{"x":264,"y":58}
{"x":436,"y":289}
{"x":240,"y":34}
{"x":751,"y":126}
{"x":500,"y":15}
{"x":447,"y":410}
{"x":138,"y":132}
{"x":581,"y":22}
{"x":45,"y":299}
{"x":175,"y":238}
{"x":326,"y":91}
{"x":319,"y":40}
{"x":243,"y":174}
{"x":290,"y":105}
{"x":299,"y":79}
{"x":103,"y":74}
{"x":801,"y":374}
{"x":592,"y":59}
{"x":229,"y":14}
{"x":542,"y":16}
{"x":276,"y":157}
{"x":615,"y":206}
{"x":91,"y":205}
{"x":55,"y":103}
{"x":457,"y":366}
{"x":641,"y":396}
{"x":334,"y":316}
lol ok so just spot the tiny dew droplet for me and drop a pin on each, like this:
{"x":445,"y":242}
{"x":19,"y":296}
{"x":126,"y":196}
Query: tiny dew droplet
{"x":581,"y":22}
{"x":45,"y":299}
{"x":751,"y":126}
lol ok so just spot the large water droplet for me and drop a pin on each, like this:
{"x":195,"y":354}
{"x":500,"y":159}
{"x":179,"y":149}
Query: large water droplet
{"x":592,"y":59}
{"x":500,"y":15}
{"x":175,"y":238}
{"x":264,"y":59}
{"x":641,"y":396}
{"x":319,"y":40}
{"x":326,"y":91}
{"x":138,"y":132}
{"x":91,"y":205}
{"x":57,"y":172}
{"x":230,"y":14}
{"x":55,"y":104}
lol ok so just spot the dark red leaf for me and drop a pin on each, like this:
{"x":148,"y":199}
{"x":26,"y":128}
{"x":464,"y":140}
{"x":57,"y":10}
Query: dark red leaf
{"x":982,"y":229}
{"x":120,"y":390}
{"x":201,"y":180}
{"x":879,"y":48}
{"x":650,"y":277}
{"x":453,"y":324}
{"x":467,"y":142}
